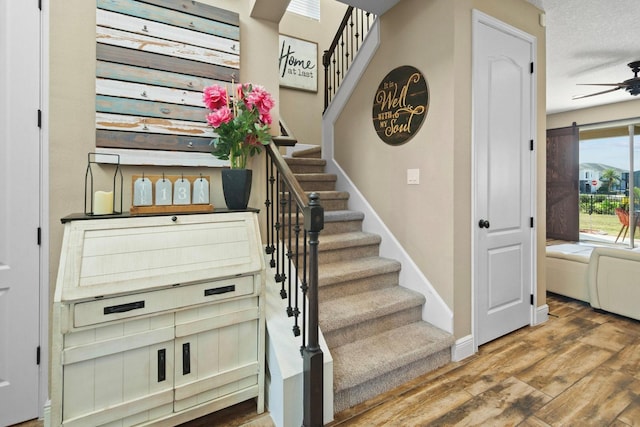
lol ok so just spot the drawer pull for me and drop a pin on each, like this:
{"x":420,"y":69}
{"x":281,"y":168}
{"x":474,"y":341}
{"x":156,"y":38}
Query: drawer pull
{"x":186,"y":359}
{"x":162,"y":365}
{"x":123,"y":308}
{"x":220,"y":290}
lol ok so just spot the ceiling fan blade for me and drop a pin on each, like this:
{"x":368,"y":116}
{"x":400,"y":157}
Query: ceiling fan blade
{"x":597,"y":93}
{"x":603,"y":84}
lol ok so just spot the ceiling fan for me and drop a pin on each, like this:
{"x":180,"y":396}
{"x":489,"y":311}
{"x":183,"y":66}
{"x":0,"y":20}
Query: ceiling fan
{"x":631,"y":85}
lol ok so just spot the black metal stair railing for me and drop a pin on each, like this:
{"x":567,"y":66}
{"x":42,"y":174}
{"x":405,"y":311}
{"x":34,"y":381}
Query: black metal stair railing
{"x":294,"y":222}
{"x":349,"y":37}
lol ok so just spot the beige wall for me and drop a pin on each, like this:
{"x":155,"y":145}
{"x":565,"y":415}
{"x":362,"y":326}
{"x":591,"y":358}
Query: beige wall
{"x":619,"y":111}
{"x":302,"y":110}
{"x":433,"y":220}
{"x":72,"y":107}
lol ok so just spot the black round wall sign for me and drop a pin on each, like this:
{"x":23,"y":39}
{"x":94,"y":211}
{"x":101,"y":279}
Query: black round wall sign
{"x":400,"y":105}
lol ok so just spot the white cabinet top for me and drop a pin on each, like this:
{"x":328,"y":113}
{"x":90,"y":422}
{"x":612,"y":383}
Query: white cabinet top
{"x":114,"y":256}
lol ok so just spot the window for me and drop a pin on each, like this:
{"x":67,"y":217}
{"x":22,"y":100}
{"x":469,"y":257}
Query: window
{"x":308,"y":8}
{"x":609,"y":166}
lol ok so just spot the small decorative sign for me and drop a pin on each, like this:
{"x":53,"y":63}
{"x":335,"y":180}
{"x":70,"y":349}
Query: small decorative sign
{"x":400,"y":105}
{"x":153,"y":194}
{"x":298,"y":63}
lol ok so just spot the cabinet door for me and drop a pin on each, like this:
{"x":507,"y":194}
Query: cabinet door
{"x":120,"y":374}
{"x":217,"y":352}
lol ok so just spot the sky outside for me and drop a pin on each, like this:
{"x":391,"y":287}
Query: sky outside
{"x":610,"y":151}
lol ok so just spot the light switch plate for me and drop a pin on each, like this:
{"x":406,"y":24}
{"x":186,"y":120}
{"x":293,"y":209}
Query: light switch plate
{"x":413,"y":176}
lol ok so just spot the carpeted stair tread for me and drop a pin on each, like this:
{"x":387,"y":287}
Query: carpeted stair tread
{"x":312,"y":152}
{"x":344,"y":271}
{"x":305,"y":161}
{"x":342,"y":215}
{"x":385,"y":352}
{"x":366,"y":306}
{"x":346,"y":240}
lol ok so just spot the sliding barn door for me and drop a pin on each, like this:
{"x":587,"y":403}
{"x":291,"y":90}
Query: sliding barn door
{"x":562,"y":184}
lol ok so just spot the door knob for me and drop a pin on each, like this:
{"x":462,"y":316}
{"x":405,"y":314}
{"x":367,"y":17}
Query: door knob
{"x":483,"y":223}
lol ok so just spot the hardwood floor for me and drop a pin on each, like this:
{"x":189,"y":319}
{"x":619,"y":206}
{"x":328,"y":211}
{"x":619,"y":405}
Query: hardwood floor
{"x":581,"y":368}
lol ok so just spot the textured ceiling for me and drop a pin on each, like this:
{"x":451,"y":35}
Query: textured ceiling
{"x":589,"y":41}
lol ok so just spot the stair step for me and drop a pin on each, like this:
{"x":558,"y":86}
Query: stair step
{"x":341,"y":221}
{"x":365,"y":314}
{"x":317,"y":181}
{"x":330,"y":200}
{"x":313,"y":152}
{"x":344,"y":278}
{"x":392,"y":358}
{"x":305,"y":165}
{"x":345,"y":246}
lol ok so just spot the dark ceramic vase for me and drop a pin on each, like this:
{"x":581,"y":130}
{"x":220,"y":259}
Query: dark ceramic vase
{"x":236,"y":186}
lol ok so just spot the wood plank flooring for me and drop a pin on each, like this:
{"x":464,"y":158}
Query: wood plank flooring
{"x":581,"y":368}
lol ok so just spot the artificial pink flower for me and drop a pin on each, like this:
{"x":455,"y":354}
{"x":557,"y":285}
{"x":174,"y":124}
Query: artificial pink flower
{"x":266,"y":118}
{"x":261,"y":99}
{"x":214,"y":97}
{"x":219,"y":116}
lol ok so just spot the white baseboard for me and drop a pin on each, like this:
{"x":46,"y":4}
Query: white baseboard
{"x":541,"y":314}
{"x":47,"y":414}
{"x":462,"y":348}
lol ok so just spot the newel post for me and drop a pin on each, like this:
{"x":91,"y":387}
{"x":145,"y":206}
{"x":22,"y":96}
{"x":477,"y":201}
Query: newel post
{"x":312,"y":354}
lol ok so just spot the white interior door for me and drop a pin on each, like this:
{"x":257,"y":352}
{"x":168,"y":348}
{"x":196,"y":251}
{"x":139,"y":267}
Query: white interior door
{"x":19,"y":209}
{"x":502,"y":135}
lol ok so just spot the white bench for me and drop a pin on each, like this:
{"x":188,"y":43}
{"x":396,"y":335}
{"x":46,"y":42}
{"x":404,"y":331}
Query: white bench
{"x":607,"y":278}
{"x":567,"y":267}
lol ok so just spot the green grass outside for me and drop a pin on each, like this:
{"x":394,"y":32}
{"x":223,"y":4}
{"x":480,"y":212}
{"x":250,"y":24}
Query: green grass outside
{"x":599,"y":224}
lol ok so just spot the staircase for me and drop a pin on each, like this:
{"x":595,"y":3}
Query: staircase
{"x":373,"y":326}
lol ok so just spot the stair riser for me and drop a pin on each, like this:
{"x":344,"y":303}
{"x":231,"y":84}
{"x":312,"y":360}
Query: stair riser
{"x":352,"y":287}
{"x":372,"y":327}
{"x":318,"y":185}
{"x":327,"y":203}
{"x":341,"y":254}
{"x":344,"y":254}
{"x":341,"y":227}
{"x":306,"y":168}
{"x":347,"y":398}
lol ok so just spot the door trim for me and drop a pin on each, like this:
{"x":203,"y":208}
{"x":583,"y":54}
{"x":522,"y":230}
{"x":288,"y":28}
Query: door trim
{"x":43,"y":392}
{"x":478,"y":18}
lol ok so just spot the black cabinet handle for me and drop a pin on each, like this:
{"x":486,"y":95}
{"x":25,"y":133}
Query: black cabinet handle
{"x":123,"y":308}
{"x":220,"y":290}
{"x":162,"y":365}
{"x":186,"y":358}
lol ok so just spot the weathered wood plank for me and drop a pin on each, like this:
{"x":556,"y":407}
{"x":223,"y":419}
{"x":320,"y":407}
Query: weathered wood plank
{"x":561,"y":370}
{"x":198,"y":9}
{"x":168,"y":16}
{"x":145,"y":27}
{"x":165,"y":47}
{"x":115,"y":105}
{"x":136,"y":140}
{"x":152,"y":125}
{"x":481,"y":374}
{"x":148,"y":92}
{"x":159,"y":62}
{"x":130,"y":73}
{"x":506,"y":404}
{"x":595,"y":400}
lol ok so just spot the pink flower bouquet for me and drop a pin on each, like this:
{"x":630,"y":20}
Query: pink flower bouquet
{"x":241,"y":122}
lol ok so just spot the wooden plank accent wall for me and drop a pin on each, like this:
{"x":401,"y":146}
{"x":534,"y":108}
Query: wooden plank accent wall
{"x":154,"y":58}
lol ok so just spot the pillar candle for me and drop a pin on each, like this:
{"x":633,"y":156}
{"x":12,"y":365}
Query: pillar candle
{"x":103,"y":203}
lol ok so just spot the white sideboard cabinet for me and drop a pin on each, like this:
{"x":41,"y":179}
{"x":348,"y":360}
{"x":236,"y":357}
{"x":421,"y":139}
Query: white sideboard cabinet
{"x":157,"y":320}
